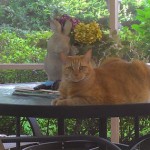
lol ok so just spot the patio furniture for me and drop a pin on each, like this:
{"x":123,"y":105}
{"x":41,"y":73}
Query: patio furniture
{"x":76,"y":143}
{"x":36,"y":132}
{"x":24,"y":106}
{"x":142,"y":143}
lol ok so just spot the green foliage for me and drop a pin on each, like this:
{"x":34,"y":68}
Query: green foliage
{"x":81,"y":126}
{"x":7,"y":125}
{"x":126,"y":129}
{"x":85,"y":10}
{"x":26,"y":15}
{"x":136,"y":40}
{"x":131,"y":46}
{"x":16,"y":49}
{"x":143,"y":29}
{"x":48,"y":126}
{"x":144,"y":125}
{"x":22,"y":47}
{"x":22,"y":76}
{"x":35,"y":14}
{"x":128,"y":9}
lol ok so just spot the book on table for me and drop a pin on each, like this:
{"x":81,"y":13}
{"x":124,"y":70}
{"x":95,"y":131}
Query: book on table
{"x":29,"y":91}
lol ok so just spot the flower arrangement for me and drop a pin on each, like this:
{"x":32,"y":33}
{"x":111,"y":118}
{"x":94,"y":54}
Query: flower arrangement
{"x":82,"y":33}
{"x":87,"y":33}
{"x":90,"y":35}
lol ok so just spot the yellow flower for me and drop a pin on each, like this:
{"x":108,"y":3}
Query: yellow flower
{"x":87,"y":33}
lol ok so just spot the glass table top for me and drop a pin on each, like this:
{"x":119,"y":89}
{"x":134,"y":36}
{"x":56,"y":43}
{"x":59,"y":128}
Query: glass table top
{"x":7,"y":96}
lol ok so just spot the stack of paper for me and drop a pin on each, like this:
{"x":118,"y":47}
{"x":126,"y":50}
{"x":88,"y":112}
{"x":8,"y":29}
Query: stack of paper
{"x":29,"y":91}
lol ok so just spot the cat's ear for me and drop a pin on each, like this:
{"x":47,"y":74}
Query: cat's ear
{"x":63,"y":57}
{"x":88,"y":55}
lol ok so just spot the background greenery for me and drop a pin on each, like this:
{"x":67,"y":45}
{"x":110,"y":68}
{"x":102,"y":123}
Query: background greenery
{"x":24,"y":30}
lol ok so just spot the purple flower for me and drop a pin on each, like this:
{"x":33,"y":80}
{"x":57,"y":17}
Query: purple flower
{"x":66,"y":17}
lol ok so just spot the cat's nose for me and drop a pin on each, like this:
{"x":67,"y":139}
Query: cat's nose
{"x":76,"y":73}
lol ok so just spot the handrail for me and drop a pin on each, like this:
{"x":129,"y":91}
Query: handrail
{"x":22,"y":66}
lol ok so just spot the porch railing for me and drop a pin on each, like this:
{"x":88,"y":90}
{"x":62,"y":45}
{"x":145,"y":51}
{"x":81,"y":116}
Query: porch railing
{"x":39,"y":66}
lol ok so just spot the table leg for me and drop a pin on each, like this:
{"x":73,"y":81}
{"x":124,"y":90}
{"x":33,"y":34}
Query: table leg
{"x":136,"y":127}
{"x":103,"y":127}
{"x":18,"y":131}
{"x":61,"y":127}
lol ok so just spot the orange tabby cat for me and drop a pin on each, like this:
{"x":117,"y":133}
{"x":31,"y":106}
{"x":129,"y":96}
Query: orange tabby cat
{"x":116,"y":81}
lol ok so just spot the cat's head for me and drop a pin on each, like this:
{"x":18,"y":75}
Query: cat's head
{"x":77,"y":68}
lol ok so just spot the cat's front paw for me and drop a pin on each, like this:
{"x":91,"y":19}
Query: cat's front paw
{"x":58,"y":102}
{"x":54,"y":102}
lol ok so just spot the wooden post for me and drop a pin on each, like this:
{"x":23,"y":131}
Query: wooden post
{"x":113,"y":18}
{"x":18,"y":66}
{"x":1,"y":145}
{"x":115,"y":130}
{"x":113,"y":7}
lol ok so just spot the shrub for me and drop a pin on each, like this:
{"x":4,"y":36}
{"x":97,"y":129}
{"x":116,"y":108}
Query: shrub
{"x":18,"y":49}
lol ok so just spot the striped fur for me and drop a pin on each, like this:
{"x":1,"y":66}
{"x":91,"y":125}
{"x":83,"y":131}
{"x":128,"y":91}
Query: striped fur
{"x":116,"y":81}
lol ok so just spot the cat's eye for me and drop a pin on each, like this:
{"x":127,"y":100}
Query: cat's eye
{"x":82,"y":68}
{"x":69,"y":68}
